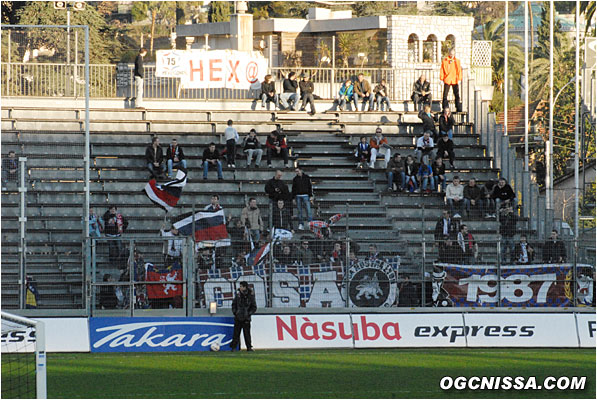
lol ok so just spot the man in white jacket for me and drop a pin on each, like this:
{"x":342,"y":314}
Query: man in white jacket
{"x":455,"y":197}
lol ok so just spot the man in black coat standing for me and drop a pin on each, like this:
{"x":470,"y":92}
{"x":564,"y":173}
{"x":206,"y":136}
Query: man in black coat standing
{"x":243,"y":306}
{"x":139,"y":76}
{"x":554,"y":250}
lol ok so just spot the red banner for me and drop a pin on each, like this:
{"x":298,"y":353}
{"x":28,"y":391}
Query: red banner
{"x":166,"y":290}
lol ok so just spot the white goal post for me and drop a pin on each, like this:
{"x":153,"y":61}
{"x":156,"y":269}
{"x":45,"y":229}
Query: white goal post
{"x":14,"y":330}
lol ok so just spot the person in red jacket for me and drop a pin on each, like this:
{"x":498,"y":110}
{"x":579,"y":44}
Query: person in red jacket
{"x":451,"y":73}
{"x":276,"y":146}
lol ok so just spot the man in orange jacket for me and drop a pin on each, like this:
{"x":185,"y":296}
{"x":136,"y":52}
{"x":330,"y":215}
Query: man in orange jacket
{"x":451,"y":73}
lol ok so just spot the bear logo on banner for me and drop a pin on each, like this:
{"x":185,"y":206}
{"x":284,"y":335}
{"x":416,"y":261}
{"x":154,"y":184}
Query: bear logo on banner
{"x":372,"y":283}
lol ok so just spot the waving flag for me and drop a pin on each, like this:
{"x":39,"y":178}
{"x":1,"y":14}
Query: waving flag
{"x":257,"y":255}
{"x":317,"y":227}
{"x":210,"y":228}
{"x":167,"y":275}
{"x":167,"y":195}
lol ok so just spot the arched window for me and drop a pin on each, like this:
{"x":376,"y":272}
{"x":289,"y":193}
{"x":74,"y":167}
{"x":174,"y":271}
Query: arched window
{"x":430,"y":49}
{"x":413,"y":48}
{"x":448,"y":44}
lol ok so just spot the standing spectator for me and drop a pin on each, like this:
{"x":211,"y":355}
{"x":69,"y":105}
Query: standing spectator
{"x":276,"y":189}
{"x":424,"y":147}
{"x":395,"y":173}
{"x":451,"y":73}
{"x":252,"y":146}
{"x":107,"y":294}
{"x":250,"y":218}
{"x":421,"y":93}
{"x":268,"y":92}
{"x":486,"y":191}
{"x":139,"y":77}
{"x":95,"y":226}
{"x":446,"y":123}
{"x":373,"y":254}
{"x":455,"y":197}
{"x":363,"y":152}
{"x":175,"y":157}
{"x":467,"y":244}
{"x":425,"y":177}
{"x":381,"y":95}
{"x":428,"y":121}
{"x":410,"y":174}
{"x":289,"y":98}
{"x":439,"y":174}
{"x":379,"y":145}
{"x":345,"y":95}
{"x":154,"y":157}
{"x":281,"y":217}
{"x":472,"y":197}
{"x":214,"y":204}
{"x":508,"y":219}
{"x":554,"y":251}
{"x":10,"y":168}
{"x":449,"y":251}
{"x":338,"y":256}
{"x":231,"y":136}
{"x":444,"y":227}
{"x":302,"y":193}
{"x":276,"y":146}
{"x":503,"y":194}
{"x":445,"y":148}
{"x":408,"y":293}
{"x":211,"y":157}
{"x":362,"y":91}
{"x":173,"y":251}
{"x":115,"y":225}
{"x":304,"y":255}
{"x":523,"y":252}
{"x":243,"y":306}
{"x":307,"y":89}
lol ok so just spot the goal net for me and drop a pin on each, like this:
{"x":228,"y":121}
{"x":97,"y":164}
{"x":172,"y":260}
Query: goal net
{"x":23,"y":358}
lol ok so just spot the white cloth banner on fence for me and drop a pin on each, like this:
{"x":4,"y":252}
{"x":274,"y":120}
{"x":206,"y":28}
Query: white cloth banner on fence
{"x":200,"y":69}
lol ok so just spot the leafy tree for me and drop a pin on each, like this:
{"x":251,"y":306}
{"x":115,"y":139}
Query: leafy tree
{"x":163,"y":11}
{"x":260,"y":13}
{"x":587,"y":8}
{"x":289,"y":9}
{"x":219,"y":11}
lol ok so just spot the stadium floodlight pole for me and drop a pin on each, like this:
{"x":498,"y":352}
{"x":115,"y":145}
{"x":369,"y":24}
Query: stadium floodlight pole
{"x":549,"y":177}
{"x":526,"y":86}
{"x":576,"y":125}
{"x":87,"y":141}
{"x":506,"y":70}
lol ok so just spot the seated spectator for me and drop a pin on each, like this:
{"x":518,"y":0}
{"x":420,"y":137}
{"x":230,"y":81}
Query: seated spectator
{"x":250,"y":218}
{"x":486,"y":191}
{"x":211,"y":158}
{"x":446,"y":123}
{"x":304,"y":255}
{"x":445,"y":227}
{"x":345,"y":96}
{"x":523,"y":252}
{"x":175,"y":157}
{"x":154,"y":157}
{"x":362,"y":92}
{"x":503,"y":194}
{"x":231,"y":137}
{"x":307,"y":89}
{"x":468,"y":245}
{"x":508,"y":220}
{"x":424,"y":147}
{"x":379,"y":145}
{"x":281,"y":217}
{"x":286,"y":257}
{"x":276,"y":146}
{"x":173,"y":247}
{"x":428,"y":122}
{"x":445,"y":149}
{"x":395,"y":172}
{"x":472,"y":197}
{"x":455,"y":197}
{"x":425,"y":177}
{"x":439,"y":174}
{"x":95,"y":226}
{"x":381,"y":95}
{"x":289,"y":97}
{"x":554,"y":250}
{"x":373,"y":254}
{"x":205,"y":259}
{"x":363,"y":153}
{"x":268,"y":92}
{"x":107,"y":294}
{"x":338,"y":255}
{"x":410,"y":175}
{"x":421,"y":93}
{"x":10,"y":168}
{"x":214,"y":205}
{"x":251,"y":145}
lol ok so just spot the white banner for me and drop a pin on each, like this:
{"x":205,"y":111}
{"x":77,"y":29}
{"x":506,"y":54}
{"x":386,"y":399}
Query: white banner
{"x":586,"y":329}
{"x":199,"y":69}
{"x":62,"y":335}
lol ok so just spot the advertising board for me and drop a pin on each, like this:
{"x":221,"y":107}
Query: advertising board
{"x":62,"y":335}
{"x":586,"y":329}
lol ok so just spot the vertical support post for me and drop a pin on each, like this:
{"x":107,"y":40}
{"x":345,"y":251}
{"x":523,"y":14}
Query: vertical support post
{"x":87,"y":140}
{"x":477,"y":112}
{"x":75,"y":73}
{"x":191,"y":276}
{"x":526,"y":87}
{"x":132,"y":272}
{"x":423,"y":255}
{"x":506,"y":85}
{"x":270,"y":275}
{"x":526,"y":193}
{"x":271,"y":51}
{"x":499,"y":269}
{"x":40,"y":361}
{"x":68,"y":81}
{"x":576,"y":133}
{"x":90,"y":276}
{"x":549,"y":175}
{"x":333,"y":77}
{"x":22,"y":233}
{"x":345,"y":272}
{"x":8,"y":71}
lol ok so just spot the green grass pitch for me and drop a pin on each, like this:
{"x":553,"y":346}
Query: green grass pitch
{"x":370,"y":373}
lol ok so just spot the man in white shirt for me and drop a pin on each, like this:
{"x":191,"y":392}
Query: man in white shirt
{"x":231,"y":136}
{"x":424,"y":147}
{"x":173,"y":252}
{"x":455,"y":197}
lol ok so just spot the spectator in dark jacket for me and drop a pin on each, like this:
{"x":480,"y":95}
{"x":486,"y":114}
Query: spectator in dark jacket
{"x":362,"y":92}
{"x":10,"y":168}
{"x":554,"y":251}
{"x":251,"y":145}
{"x":302,"y":193}
{"x":276,"y":189}
{"x":175,"y":157}
{"x":307,"y":89}
{"x":276,"y":146}
{"x":445,"y":148}
{"x":523,"y":252}
{"x":139,"y":75}
{"x":472,"y":197}
{"x":395,"y":172}
{"x":281,"y":217}
{"x":243,"y":306}
{"x":363,"y":152}
{"x":268,"y":92}
{"x":289,"y":97}
{"x":421,"y":93}
{"x":508,"y":219}
{"x":446,"y":123}
{"x":445,"y":226}
{"x":381,"y":95}
{"x":503,"y":194}
{"x":449,"y":251}
{"x":211,"y":158}
{"x":428,"y":121}
{"x":114,"y":226}
{"x":439,"y":174}
{"x":410,"y":174}
{"x":154,"y":157}
{"x":107,"y":295}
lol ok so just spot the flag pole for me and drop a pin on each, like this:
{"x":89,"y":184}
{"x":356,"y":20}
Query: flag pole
{"x":576,"y":125}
